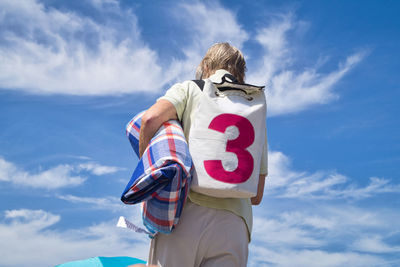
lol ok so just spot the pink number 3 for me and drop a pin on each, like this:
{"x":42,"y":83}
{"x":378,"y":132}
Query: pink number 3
{"x":244,"y":169}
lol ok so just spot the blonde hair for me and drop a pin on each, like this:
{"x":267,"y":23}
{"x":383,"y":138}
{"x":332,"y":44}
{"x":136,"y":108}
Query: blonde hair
{"x":222,"y":56}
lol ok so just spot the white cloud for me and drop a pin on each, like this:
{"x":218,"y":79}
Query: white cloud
{"x":312,"y":232}
{"x":376,"y":185}
{"x":30,"y":242}
{"x":316,"y":220}
{"x":98,"y":169}
{"x":314,"y":226}
{"x":283,"y":182}
{"x":211,"y":23}
{"x":310,"y":258}
{"x":56,"y":177}
{"x":276,"y":50}
{"x":206,"y":23}
{"x":374,"y":244}
{"x":104,"y":3}
{"x":281,"y":233}
{"x":67,"y":53}
{"x":288,"y":90}
{"x":106,"y":203}
{"x":63,"y":175}
{"x":48,"y":51}
{"x":38,"y":219}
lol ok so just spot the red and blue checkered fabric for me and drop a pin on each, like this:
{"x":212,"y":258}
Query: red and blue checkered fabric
{"x":162,"y":177}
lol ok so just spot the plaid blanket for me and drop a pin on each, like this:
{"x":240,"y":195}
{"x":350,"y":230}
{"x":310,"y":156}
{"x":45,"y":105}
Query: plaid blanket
{"x":162,"y":177}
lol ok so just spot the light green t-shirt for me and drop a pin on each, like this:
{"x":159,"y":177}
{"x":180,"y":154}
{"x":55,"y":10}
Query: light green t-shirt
{"x":185,"y":98}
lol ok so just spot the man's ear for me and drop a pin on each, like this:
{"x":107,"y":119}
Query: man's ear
{"x":206,"y":72}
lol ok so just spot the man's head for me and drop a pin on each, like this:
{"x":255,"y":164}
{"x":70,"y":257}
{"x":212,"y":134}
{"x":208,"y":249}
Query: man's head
{"x":222,"y":56}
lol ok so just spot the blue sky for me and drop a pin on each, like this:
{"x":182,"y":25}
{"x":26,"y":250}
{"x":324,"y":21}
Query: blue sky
{"x":73,"y":73}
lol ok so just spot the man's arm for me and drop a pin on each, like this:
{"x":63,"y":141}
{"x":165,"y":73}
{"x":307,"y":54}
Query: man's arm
{"x":152,"y":119}
{"x":260,"y":191}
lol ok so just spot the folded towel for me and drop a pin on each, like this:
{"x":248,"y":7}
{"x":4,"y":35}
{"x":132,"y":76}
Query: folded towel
{"x":162,"y":177}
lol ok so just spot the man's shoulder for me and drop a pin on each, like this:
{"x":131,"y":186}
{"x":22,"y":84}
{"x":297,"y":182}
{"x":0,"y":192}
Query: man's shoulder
{"x":189,"y":84}
{"x":188,"y":87}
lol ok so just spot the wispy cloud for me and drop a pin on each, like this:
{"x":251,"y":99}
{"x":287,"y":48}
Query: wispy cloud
{"x":211,"y":22}
{"x":307,"y":230}
{"x":290,"y":90}
{"x":37,"y":219}
{"x":207,"y":23}
{"x":98,"y":169}
{"x":304,"y":215}
{"x":63,"y":175}
{"x":282,"y":232}
{"x":311,"y":258}
{"x":45,"y":50}
{"x":374,"y":244}
{"x":283,"y":182}
{"x":56,"y":177}
{"x":105,"y":203}
{"x":30,"y":242}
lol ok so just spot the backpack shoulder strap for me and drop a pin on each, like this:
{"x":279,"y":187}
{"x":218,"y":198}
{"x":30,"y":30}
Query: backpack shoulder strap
{"x":200,"y":83}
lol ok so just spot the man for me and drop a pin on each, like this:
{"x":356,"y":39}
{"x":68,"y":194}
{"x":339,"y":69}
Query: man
{"x":212,"y":231}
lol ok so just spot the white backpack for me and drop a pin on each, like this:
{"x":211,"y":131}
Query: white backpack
{"x":227,"y":137}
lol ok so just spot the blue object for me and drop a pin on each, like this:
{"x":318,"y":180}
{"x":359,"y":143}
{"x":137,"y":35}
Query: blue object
{"x":103,"y":262}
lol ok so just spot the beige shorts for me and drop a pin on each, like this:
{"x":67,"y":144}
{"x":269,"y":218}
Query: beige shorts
{"x":204,"y":237}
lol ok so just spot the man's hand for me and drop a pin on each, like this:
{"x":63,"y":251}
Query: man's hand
{"x":152,"y":119}
{"x":260,"y":191}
